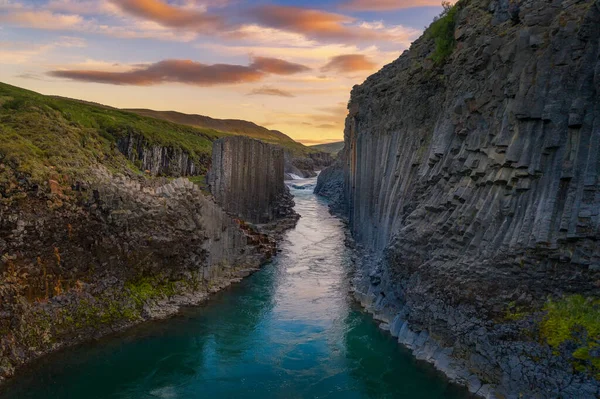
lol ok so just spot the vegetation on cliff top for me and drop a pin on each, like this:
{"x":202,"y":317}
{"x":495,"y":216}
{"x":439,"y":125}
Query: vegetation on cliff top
{"x":47,"y":137}
{"x":44,"y":136}
{"x":331,"y":148}
{"x":441,"y":31}
{"x":229,"y":126}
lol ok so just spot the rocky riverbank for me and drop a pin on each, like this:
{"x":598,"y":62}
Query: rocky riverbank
{"x":470,"y":177}
{"x":88,"y":260}
{"x":99,"y":232}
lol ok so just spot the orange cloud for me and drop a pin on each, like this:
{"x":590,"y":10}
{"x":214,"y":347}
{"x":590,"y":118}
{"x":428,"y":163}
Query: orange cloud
{"x":349,"y":63}
{"x":315,"y":24}
{"x":270,"y":91}
{"x":386,"y":5}
{"x":277,"y":66}
{"x":183,"y":71}
{"x":168,"y":15}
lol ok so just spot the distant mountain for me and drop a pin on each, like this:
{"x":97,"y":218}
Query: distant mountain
{"x":332,"y":148}
{"x":232,"y":126}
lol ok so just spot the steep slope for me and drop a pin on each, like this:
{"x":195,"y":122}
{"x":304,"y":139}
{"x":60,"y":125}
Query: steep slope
{"x":332,"y":148}
{"x":471,"y":174}
{"x":77,"y":134}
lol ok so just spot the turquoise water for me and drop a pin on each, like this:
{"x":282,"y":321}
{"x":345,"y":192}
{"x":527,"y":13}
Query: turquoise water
{"x":289,"y":331}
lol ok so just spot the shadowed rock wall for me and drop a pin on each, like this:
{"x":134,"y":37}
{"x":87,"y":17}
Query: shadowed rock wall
{"x":246,"y":179}
{"x":475,"y":184}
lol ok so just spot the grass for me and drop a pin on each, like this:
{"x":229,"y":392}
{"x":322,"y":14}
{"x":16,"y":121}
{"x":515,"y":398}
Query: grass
{"x":332,"y":148}
{"x":574,"y":322}
{"x":230,"y":127}
{"x":150,"y":288}
{"x":441,"y":31}
{"x":47,"y":137}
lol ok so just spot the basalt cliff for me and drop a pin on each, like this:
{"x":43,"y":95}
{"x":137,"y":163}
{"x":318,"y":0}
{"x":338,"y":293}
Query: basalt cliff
{"x":101,"y":228}
{"x":247,"y":180}
{"x":471,"y":180}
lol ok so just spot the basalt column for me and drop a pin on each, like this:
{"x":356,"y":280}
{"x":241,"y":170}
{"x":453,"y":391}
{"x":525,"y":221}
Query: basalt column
{"x":247,"y":177}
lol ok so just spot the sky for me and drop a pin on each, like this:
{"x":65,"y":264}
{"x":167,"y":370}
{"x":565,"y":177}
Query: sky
{"x":288,"y":65}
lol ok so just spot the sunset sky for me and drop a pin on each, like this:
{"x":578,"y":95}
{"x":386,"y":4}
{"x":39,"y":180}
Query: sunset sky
{"x":285,"y":64}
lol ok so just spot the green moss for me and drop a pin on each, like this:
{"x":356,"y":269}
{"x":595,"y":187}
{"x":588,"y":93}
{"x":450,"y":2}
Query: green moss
{"x":574,"y":320}
{"x":147,"y":289}
{"x":515,"y":312}
{"x":441,"y":31}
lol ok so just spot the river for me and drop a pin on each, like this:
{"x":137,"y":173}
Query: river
{"x":289,"y":331}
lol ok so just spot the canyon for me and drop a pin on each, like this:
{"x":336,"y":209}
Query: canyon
{"x":103,"y":228}
{"x":471,"y":186}
{"x":247,"y":180}
{"x":467,"y":222}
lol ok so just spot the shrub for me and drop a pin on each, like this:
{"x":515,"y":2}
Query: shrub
{"x":441,"y":31}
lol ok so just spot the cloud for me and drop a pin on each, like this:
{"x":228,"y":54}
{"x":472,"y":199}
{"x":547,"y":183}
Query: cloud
{"x":277,"y":66}
{"x":270,"y":91}
{"x":315,"y":24}
{"x":349,"y":63}
{"x":387,"y":5}
{"x":326,"y":118}
{"x":66,"y":15}
{"x":82,"y":7}
{"x":257,"y":35}
{"x":169,"y":71}
{"x":29,"y":75}
{"x":171,"y":16}
{"x":23,"y":52}
{"x":184,"y":71}
{"x":40,"y":19}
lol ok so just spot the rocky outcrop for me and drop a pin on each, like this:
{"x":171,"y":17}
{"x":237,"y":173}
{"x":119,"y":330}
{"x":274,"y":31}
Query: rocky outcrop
{"x":330,"y":184}
{"x":246,"y":179}
{"x":159,"y":160}
{"x":100,"y":255}
{"x":306,"y":166}
{"x":473,"y":190}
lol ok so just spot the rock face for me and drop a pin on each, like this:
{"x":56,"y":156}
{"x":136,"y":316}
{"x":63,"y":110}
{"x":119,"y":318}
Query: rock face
{"x":473,"y":187}
{"x":83,"y":261}
{"x":246,"y":179}
{"x":307,"y":166}
{"x":330,"y":184}
{"x":160,"y":160}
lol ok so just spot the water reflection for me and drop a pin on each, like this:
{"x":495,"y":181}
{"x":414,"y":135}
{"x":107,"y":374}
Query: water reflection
{"x":289,"y":331}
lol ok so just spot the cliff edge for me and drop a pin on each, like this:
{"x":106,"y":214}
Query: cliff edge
{"x":246,"y":179}
{"x":98,"y":230}
{"x":471,"y":175}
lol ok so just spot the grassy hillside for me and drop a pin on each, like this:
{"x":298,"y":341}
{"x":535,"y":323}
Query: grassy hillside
{"x":231,"y":126}
{"x":332,"y":148}
{"x":42,"y":135}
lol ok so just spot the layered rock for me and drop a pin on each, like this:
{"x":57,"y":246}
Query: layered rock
{"x":473,"y":187}
{"x":247,"y":180}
